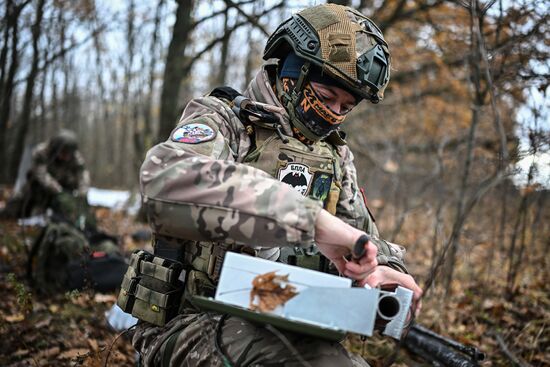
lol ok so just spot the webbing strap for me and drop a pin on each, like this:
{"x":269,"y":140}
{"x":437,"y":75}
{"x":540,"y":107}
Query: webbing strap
{"x":168,"y":349}
{"x":157,"y":271}
{"x":151,"y":296}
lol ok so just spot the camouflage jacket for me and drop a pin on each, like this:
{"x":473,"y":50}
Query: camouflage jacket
{"x":204,"y":191}
{"x":56,"y":176}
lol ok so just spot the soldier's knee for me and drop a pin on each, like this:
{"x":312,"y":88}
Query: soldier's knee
{"x":250,"y":344}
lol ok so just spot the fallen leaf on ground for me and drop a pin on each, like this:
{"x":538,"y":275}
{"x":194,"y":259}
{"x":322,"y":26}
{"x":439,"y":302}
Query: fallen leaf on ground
{"x":18,"y":317}
{"x":73,"y":353}
{"x":53,"y":308}
{"x":93,"y":344}
{"x":21,"y":352}
{"x":43,"y":323}
{"x":104,"y":298}
{"x":48,"y":353}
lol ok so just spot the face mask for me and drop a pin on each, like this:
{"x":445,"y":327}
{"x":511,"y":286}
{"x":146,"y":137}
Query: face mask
{"x":312,"y":112}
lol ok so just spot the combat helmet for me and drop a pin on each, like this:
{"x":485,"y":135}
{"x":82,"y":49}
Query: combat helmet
{"x":63,"y":141}
{"x":341,"y":42}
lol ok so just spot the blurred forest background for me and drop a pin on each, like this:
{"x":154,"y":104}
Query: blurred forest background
{"x":455,"y":161}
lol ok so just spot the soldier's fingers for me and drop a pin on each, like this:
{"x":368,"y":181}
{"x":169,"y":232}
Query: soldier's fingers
{"x":359,"y":275}
{"x":340,"y":264}
{"x":363,"y":268}
{"x":370,"y":253}
{"x":386,"y":275}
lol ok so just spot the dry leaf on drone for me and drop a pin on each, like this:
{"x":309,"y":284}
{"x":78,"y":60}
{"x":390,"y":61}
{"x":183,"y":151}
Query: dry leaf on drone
{"x":268,"y":291}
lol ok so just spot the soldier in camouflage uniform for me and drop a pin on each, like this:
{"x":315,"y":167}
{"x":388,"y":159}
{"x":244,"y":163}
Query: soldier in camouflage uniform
{"x":57,"y":178}
{"x":265,"y":172}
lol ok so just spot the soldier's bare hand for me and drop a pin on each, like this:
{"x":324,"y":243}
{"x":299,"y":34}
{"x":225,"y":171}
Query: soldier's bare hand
{"x":335,"y":239}
{"x":359,"y":269}
{"x":384,"y":275}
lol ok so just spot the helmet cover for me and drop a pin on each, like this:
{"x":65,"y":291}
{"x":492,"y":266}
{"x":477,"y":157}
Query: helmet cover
{"x":342,"y":42}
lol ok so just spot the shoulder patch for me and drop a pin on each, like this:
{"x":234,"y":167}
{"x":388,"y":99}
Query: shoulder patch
{"x":193,"y":133}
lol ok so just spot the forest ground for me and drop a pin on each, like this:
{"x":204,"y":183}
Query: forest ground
{"x":71,"y":330}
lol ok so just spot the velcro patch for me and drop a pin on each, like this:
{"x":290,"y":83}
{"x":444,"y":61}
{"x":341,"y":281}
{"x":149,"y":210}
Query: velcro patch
{"x":193,"y":133}
{"x":296,"y":175}
{"x":340,"y":47}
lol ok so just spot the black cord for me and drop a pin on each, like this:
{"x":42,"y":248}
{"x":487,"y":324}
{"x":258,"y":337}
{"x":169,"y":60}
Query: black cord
{"x":399,"y":344}
{"x":217,"y":342}
{"x":287,"y":344}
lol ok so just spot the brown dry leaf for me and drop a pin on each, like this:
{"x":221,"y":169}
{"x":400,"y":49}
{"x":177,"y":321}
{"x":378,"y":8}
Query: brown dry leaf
{"x":43,"y":323}
{"x":93,"y":344}
{"x":18,"y":317}
{"x":488,"y":304}
{"x":267,"y":290}
{"x":104,"y":298}
{"x":48,"y":353}
{"x":21,"y":352}
{"x":73,"y":353}
{"x":121,"y":357}
{"x":54,"y":308}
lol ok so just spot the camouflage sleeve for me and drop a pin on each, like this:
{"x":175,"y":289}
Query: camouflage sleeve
{"x":352,"y":209}
{"x":39,"y":171}
{"x":83,"y":175}
{"x":199,"y":190}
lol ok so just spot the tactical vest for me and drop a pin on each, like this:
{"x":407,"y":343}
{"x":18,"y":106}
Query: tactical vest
{"x":311,"y":170}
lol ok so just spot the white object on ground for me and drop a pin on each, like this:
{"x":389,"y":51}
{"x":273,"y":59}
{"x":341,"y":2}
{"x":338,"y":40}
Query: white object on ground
{"x":108,"y":198}
{"x":118,"y":319}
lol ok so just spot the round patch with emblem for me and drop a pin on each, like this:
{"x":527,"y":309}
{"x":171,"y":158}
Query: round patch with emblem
{"x":193,"y":133}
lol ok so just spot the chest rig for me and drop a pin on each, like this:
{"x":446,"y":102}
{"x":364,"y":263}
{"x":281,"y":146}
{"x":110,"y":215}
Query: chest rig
{"x":312,"y":170}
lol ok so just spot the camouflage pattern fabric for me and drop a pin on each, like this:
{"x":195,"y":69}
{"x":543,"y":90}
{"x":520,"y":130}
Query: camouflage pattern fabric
{"x":49,"y":176}
{"x":59,"y":244}
{"x":189,"y":340}
{"x":200,"y":190}
{"x":73,"y":209}
{"x":56,"y":175}
{"x":58,"y":247}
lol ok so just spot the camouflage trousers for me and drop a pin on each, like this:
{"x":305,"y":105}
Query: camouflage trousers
{"x":190,"y":340}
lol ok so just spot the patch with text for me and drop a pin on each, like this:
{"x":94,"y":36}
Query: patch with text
{"x":296,"y":175}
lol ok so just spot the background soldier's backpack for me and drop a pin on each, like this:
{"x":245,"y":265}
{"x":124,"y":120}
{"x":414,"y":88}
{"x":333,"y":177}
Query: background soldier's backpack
{"x":63,"y":258}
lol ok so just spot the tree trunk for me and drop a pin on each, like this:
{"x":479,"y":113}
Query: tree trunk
{"x":173,"y":74}
{"x":476,"y":108}
{"x":40,"y":125}
{"x":25,"y":117}
{"x":126,"y":125}
{"x":222,"y":67}
{"x":7,"y":86}
{"x":145,"y":139}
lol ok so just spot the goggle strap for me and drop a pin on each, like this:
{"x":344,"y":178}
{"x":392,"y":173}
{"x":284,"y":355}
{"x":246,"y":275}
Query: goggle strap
{"x":304,"y":71}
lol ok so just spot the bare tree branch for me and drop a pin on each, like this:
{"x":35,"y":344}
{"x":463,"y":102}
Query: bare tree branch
{"x":189,"y":63}
{"x":219,"y":12}
{"x":251,"y":20}
{"x":485,"y":59}
{"x":507,"y":352}
{"x":63,"y":51}
{"x":399,"y":14}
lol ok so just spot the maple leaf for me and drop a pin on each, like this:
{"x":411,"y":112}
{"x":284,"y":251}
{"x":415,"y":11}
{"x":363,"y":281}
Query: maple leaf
{"x":268,"y":292}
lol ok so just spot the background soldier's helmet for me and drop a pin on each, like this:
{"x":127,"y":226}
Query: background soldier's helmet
{"x":64,"y":141}
{"x":341,"y":41}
